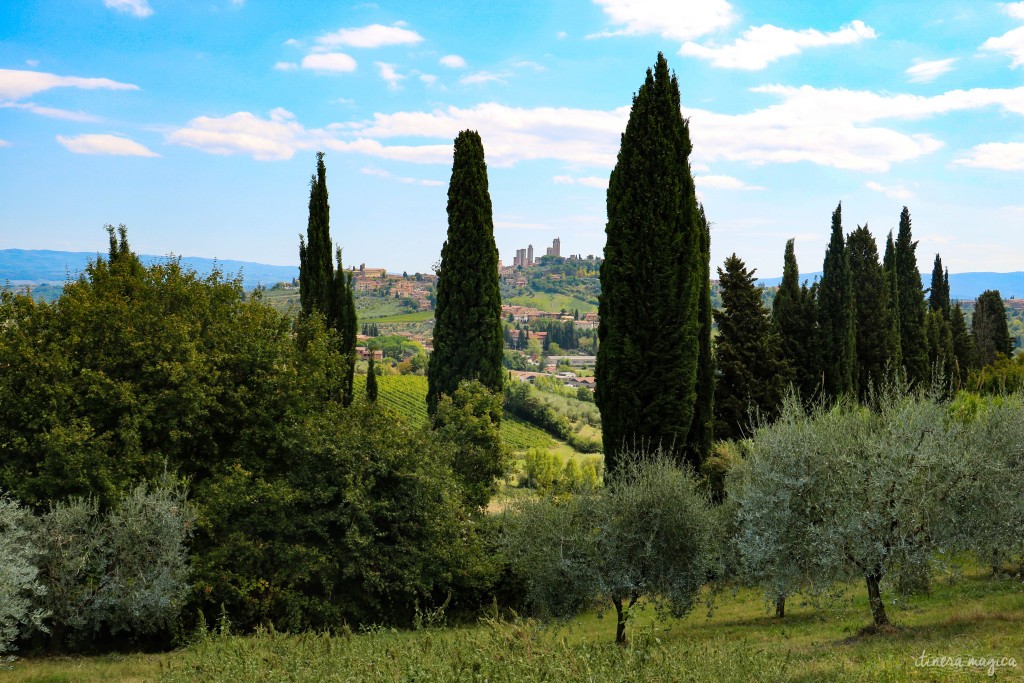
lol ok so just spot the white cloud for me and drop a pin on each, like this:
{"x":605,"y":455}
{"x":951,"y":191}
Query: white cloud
{"x":429,"y":79}
{"x":1000,"y":156}
{"x":4,"y":143}
{"x":452,"y":62}
{"x":136,"y":8}
{"x":481,"y":77}
{"x":674,"y":20}
{"x":722,"y":182}
{"x":105,"y":144}
{"x":32,"y":62}
{"x":16,"y":84}
{"x":286,"y":66}
{"x":761,"y":45}
{"x":842,"y":129}
{"x":1010,"y":44}
{"x":1014,"y":9}
{"x":388,"y":73}
{"x":529,"y":65}
{"x":926,"y":72}
{"x":586,"y":181}
{"x":561,"y":35}
{"x":375,"y":35}
{"x":292,"y":42}
{"x":52,"y":112}
{"x":893,"y":191}
{"x":380,"y":173}
{"x":337,"y":62}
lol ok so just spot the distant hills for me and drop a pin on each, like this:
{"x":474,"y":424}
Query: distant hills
{"x":36,"y":266}
{"x":962,"y":286}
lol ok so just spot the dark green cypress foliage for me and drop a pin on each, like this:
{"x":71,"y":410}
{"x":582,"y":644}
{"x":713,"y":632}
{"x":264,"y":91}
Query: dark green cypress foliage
{"x":990,"y":330}
{"x":941,"y":358}
{"x":371,"y":379}
{"x":795,"y":326}
{"x":911,"y":304}
{"x":752,"y":373}
{"x":467,"y":330}
{"x":652,"y":282}
{"x":938,"y":297}
{"x":315,"y":272}
{"x":837,"y":331}
{"x":701,"y":436}
{"x":875,"y":330}
{"x":891,"y":279}
{"x":963,"y":345}
{"x":341,"y":316}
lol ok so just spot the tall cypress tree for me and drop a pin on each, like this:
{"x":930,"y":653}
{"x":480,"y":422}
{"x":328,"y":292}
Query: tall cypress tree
{"x":315,"y":251}
{"x":701,"y":436}
{"x":322,"y":288}
{"x":938,"y":297}
{"x":748,"y":355}
{"x":836,"y":315}
{"x":990,"y":330}
{"x":963,"y":345}
{"x":371,"y":379}
{"x":911,"y":304}
{"x":875,"y":331}
{"x":795,"y":324}
{"x":892,"y":280}
{"x":468,"y":338}
{"x":652,"y":282}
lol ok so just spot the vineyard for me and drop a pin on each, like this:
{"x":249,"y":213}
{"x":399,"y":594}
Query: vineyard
{"x":407,"y":395}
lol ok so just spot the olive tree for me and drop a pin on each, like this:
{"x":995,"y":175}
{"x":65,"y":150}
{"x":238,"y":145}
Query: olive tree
{"x":19,"y":585}
{"x":650,"y":533}
{"x":854,"y":491}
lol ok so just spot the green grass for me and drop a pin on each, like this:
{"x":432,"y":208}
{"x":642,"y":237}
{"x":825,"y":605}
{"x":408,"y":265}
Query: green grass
{"x":739,"y":642}
{"x":545,"y":301}
{"x":414,"y":317}
{"x":407,"y":395}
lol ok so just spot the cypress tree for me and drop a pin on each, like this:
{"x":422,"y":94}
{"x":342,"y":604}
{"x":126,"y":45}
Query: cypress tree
{"x":837,"y":331}
{"x":990,"y":330}
{"x":315,"y":272}
{"x":467,"y":330}
{"x":911,"y":304}
{"x":963,"y":345}
{"x":652,"y":282}
{"x":938,"y":297}
{"x":875,"y":329}
{"x":371,"y":379}
{"x":941,"y":358}
{"x":341,"y":316}
{"x":322,"y":288}
{"x":889,"y":266}
{"x":748,"y":354}
{"x":795,"y":326}
{"x":701,"y":436}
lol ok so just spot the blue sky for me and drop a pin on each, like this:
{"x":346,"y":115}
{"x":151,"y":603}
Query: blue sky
{"x":196,"y":123}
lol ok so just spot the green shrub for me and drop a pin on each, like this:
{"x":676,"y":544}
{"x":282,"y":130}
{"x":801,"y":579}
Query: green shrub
{"x":20,"y":589}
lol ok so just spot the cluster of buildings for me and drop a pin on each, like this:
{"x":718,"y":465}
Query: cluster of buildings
{"x":378,"y":280}
{"x":524,"y":314}
{"x":525,"y":259}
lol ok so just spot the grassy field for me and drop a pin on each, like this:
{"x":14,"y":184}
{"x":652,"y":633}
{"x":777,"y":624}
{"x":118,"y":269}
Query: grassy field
{"x":553,"y":302}
{"x":407,"y":395}
{"x":977,"y":616}
{"x":414,"y":317}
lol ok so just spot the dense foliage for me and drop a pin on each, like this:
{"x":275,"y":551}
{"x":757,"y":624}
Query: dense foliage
{"x":652,"y":283}
{"x":468,"y":338}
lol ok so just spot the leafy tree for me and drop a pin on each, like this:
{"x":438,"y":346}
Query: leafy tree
{"x":876,"y":332}
{"x":467,"y":331}
{"x":650,"y":533}
{"x":941,"y":358}
{"x":652,"y":279}
{"x":989,"y":328}
{"x":753,"y":375}
{"x":850,"y":491}
{"x":911,"y":304}
{"x":315,"y":251}
{"x":794,"y":318}
{"x":371,"y":380}
{"x":938,"y":298}
{"x":469,"y":419}
{"x":837,"y":316}
{"x":341,"y":316}
{"x":20,"y":588}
